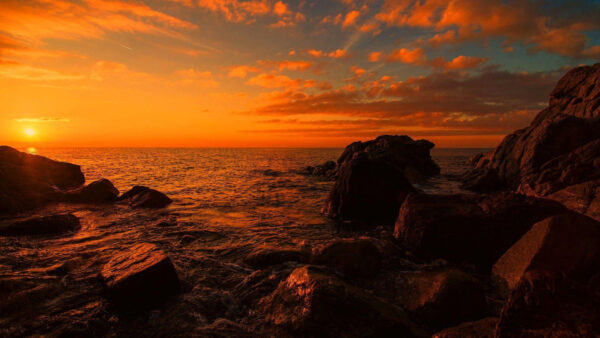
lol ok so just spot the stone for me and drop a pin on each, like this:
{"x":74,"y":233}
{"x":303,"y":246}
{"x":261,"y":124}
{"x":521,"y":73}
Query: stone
{"x":97,"y":192}
{"x":567,"y":244}
{"x":442,"y":298}
{"x":139,"y":277}
{"x":474,"y":229}
{"x":583,"y":198}
{"x":484,"y":328}
{"x":144,"y":197}
{"x":39,"y":226}
{"x":312,"y":302}
{"x":265,"y":256}
{"x":354,"y":257}
{"x":327,"y":170}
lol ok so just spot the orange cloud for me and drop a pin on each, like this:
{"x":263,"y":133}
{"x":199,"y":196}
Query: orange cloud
{"x":459,"y":62}
{"x":375,"y":56}
{"x":350,"y":19}
{"x":287,"y":64}
{"x":274,"y":81}
{"x":336,"y":54}
{"x":242,"y":71}
{"x":191,"y":76}
{"x":415,"y":56}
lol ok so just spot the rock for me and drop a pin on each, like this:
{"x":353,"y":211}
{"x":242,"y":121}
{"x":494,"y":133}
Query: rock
{"x":139,"y":277}
{"x":484,"y":328}
{"x":374,"y":177}
{"x":583,"y":198}
{"x":474,"y":160}
{"x":560,"y":148}
{"x":100,"y":191}
{"x":30,"y":181}
{"x":353,"y":257}
{"x":547,"y":304}
{"x":259,"y":284}
{"x":311,"y":302}
{"x":442,"y":298}
{"x":266,"y":256}
{"x":567,"y":244}
{"x":46,"y":225}
{"x":144,"y":197}
{"x":327,"y":170}
{"x":469,"y":228}
{"x":482,"y":180}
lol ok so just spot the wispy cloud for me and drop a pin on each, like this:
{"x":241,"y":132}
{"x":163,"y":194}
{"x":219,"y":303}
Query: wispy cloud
{"x":42,"y":119}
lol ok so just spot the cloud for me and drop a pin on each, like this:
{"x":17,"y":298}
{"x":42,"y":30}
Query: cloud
{"x":249,"y":11}
{"x":274,"y":81}
{"x":415,"y":56}
{"x":350,"y":19}
{"x":42,"y":120}
{"x":242,"y":71}
{"x":15,"y":70}
{"x":287,"y":64}
{"x":459,"y":62}
{"x":194,"y":77}
{"x":336,"y":54}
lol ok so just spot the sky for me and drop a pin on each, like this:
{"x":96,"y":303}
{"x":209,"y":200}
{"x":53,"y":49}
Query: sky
{"x":282,"y":73}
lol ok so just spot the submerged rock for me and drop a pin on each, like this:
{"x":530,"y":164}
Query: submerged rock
{"x":266,"y":256}
{"x":327,"y":170}
{"x":548,"y":304}
{"x":484,"y":328}
{"x":352,"y":257}
{"x":567,"y":244}
{"x":100,"y":191}
{"x":442,"y":298}
{"x":30,"y":181}
{"x":311,"y":302}
{"x":144,"y":197}
{"x":46,"y":225}
{"x":139,"y":277}
{"x":469,"y":228}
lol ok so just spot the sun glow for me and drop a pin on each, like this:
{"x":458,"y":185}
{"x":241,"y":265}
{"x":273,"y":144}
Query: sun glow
{"x":29,"y":131}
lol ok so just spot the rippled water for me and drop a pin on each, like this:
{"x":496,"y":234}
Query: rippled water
{"x":226,"y":203}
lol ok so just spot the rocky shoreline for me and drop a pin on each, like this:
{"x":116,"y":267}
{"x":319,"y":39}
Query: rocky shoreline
{"x":517,"y":257}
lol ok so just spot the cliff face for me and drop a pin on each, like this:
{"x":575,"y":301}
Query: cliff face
{"x":561,"y":147}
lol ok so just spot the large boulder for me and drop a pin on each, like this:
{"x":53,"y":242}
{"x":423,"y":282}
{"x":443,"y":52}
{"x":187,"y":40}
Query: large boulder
{"x":583,"y":198}
{"x":567,"y":244}
{"x":548,"y":304}
{"x":312,"y":302}
{"x":469,"y":228}
{"x":29,"y":181}
{"x":442,"y":298}
{"x":559,"y":149}
{"x":139,"y":277}
{"x":45,"y":225}
{"x":353,"y":257}
{"x":100,"y":191}
{"x":144,"y":197}
{"x":374,"y":177}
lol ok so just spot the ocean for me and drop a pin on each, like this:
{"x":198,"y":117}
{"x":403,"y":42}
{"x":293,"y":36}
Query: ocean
{"x":226,"y":203}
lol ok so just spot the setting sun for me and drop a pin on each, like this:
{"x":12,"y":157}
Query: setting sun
{"x":29,"y":132}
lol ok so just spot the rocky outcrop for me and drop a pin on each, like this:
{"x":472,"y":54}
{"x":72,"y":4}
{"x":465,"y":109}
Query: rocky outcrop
{"x":37,"y":226}
{"x":560,"y":148}
{"x":327,"y":170}
{"x":484,"y":328}
{"x":311,"y":302}
{"x":139,"y":277}
{"x":374,"y":177}
{"x":548,"y":304}
{"x":101,"y":191}
{"x":30,"y":181}
{"x":469,"y":228}
{"x":567,"y":244}
{"x":265,"y":256}
{"x":353,"y":257}
{"x":442,"y":298}
{"x":144,"y":197}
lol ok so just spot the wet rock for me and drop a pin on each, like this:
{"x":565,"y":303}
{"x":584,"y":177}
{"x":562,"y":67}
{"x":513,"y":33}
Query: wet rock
{"x":469,"y":228}
{"x":442,"y":298}
{"x":353,"y":257}
{"x":271,"y":172}
{"x":223,"y":328}
{"x":45,"y":225}
{"x":259,"y":284}
{"x":144,"y":197}
{"x":311,"y":302}
{"x":139,"y":277}
{"x":100,"y":191}
{"x":374,"y":177}
{"x":548,"y":304}
{"x":265,"y":256}
{"x":484,"y":328}
{"x":327,"y":170}
{"x":583,"y":198}
{"x":567,"y":244}
{"x":29,"y":181}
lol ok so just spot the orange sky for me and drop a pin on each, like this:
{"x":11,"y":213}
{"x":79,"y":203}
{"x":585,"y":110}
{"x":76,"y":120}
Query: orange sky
{"x":263,"y":73}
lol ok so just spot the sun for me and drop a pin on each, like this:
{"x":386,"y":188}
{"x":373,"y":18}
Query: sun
{"x":29,"y":132}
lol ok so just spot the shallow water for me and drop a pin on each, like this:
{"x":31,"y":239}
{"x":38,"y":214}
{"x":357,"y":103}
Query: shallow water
{"x":226,"y":203}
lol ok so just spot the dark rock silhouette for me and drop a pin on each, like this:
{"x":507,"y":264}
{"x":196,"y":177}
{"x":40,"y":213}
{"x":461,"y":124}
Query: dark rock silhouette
{"x":266,"y":256}
{"x":311,"y":302}
{"x":566,"y":244}
{"x":374,"y":177}
{"x":100,"y":191}
{"x":548,"y":304}
{"x":484,"y":328}
{"x":30,"y":181}
{"x":45,"y":225}
{"x":144,"y":197}
{"x":442,"y":298}
{"x":469,"y":228}
{"x":558,"y":150}
{"x":352,"y":257}
{"x":139,"y":277}
{"x":327,"y":170}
